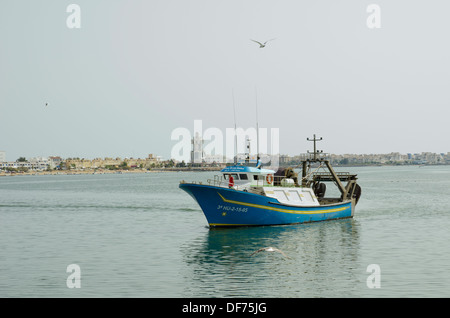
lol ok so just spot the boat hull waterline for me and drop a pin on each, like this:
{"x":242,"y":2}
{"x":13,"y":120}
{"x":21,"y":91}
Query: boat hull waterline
{"x":228,"y":207}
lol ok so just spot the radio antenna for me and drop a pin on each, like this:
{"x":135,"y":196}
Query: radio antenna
{"x":316,"y":152}
{"x":235,"y":133}
{"x":257,"y":126}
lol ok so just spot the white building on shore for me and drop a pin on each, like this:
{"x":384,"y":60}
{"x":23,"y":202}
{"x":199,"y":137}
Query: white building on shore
{"x":36,"y":163}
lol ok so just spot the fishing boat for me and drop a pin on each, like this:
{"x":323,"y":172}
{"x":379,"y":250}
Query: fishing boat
{"x":246,"y":194}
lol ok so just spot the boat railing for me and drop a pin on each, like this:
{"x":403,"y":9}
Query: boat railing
{"x":328,"y":173}
{"x":283,"y":181}
{"x":327,"y":176}
{"x":219,"y":181}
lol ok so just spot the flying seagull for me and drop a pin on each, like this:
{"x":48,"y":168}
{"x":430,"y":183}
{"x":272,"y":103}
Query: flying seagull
{"x":269,"y":249}
{"x":262,"y":45}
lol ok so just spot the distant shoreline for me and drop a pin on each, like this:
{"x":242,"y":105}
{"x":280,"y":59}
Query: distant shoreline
{"x":174,"y":169}
{"x":68,"y":172}
{"x":101,"y":171}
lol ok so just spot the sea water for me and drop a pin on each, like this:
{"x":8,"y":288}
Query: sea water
{"x":139,"y":235}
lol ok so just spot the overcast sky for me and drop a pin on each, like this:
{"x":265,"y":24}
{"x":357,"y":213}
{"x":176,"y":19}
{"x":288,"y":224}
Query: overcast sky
{"x":136,"y":70}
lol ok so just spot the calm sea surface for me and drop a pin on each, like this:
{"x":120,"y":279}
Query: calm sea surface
{"x":138,"y":235}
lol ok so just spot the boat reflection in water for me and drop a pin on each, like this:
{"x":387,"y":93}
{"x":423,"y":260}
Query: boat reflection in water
{"x":322,"y":258}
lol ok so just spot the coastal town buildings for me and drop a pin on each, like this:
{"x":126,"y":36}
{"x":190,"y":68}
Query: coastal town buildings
{"x":22,"y":164}
{"x":58,"y":163}
{"x":217,"y":161}
{"x":112,"y":163}
{"x":393,"y":158}
{"x":55,"y":162}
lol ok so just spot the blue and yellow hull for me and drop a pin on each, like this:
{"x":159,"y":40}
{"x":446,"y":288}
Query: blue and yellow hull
{"x":229,"y":207}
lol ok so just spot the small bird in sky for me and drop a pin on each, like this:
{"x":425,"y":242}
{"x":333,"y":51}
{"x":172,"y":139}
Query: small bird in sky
{"x":46,"y":104}
{"x":270,"y":249}
{"x":262,"y":45}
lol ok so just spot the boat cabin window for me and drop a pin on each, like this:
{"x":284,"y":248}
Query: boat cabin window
{"x":234,"y":175}
{"x":243,"y":176}
{"x":258,"y":177}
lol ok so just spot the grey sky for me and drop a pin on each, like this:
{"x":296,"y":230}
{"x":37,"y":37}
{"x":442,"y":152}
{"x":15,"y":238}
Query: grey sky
{"x":136,"y":70}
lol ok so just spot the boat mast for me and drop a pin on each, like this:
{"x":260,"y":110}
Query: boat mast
{"x":235,"y":133}
{"x":334,"y":176}
{"x":315,"y":151}
{"x":257,"y":126}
